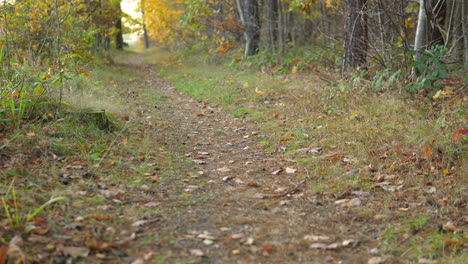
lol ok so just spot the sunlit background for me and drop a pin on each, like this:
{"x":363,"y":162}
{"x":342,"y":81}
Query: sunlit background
{"x":131,"y":8}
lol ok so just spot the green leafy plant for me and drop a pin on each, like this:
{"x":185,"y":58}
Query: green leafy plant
{"x":430,"y":68}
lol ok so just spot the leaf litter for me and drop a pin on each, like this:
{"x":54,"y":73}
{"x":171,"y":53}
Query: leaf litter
{"x":134,"y":219}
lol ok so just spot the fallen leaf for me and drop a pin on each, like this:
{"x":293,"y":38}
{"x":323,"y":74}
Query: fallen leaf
{"x":456,"y":135}
{"x":291,"y":170}
{"x":376,"y":260}
{"x":276,"y":172}
{"x":268,"y":248}
{"x":98,"y":217}
{"x":291,"y":137}
{"x":315,"y":237}
{"x":196,"y":253}
{"x":228,"y":178}
{"x":428,"y":152}
{"x":252,"y":184}
{"x":100,"y":246}
{"x":138,"y":261}
{"x":208,"y":242}
{"x":223,"y":169}
{"x":200,"y":115}
{"x":259,"y":196}
{"x":318,"y":246}
{"x":39,"y":231}
{"x":237,"y":236}
{"x":3,"y":254}
{"x":75,"y":251}
{"x":140,"y":223}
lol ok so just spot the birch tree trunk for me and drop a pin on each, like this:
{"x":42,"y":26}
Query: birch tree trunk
{"x":420,"y":32}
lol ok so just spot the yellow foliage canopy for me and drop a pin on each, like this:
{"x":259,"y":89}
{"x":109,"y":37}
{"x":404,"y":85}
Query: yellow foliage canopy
{"x":162,"y":17}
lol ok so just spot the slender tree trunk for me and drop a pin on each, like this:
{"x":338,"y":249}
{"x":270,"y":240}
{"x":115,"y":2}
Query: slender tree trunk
{"x":252,"y":27}
{"x":356,"y":39}
{"x":465,"y":29}
{"x":119,"y":42}
{"x":145,"y":31}
{"x":272,"y":16}
{"x":419,"y":45}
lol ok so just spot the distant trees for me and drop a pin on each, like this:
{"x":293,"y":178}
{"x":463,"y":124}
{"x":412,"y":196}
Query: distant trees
{"x":364,"y":33}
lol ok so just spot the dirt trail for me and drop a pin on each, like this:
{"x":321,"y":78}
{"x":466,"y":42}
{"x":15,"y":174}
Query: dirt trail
{"x":241,"y":211}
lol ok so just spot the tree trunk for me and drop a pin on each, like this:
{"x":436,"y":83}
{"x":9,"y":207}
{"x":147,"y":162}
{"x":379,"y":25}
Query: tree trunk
{"x":252,"y":27}
{"x":419,"y":46}
{"x":272,"y":18}
{"x":145,"y":31}
{"x":465,"y":29}
{"x":119,"y":42}
{"x":356,"y":39}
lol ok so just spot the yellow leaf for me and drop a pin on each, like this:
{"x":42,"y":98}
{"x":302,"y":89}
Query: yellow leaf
{"x":437,"y":95}
{"x":246,"y":85}
{"x":294,"y":70}
{"x":446,"y":171}
{"x":447,"y":92}
{"x":31,"y":134}
{"x":355,"y":113}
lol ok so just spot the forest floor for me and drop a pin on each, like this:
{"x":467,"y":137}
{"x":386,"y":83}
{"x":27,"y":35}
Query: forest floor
{"x":186,"y":180}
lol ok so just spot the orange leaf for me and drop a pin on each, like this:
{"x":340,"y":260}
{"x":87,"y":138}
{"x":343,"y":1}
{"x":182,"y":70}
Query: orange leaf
{"x":459,"y":132}
{"x":200,"y":115}
{"x":98,"y":217}
{"x":428,"y":152}
{"x":287,"y":138}
{"x":253,"y":184}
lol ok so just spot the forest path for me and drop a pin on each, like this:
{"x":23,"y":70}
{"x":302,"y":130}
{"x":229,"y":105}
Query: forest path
{"x":230,"y":201}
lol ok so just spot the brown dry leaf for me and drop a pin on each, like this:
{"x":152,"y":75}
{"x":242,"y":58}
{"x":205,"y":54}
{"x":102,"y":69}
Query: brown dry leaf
{"x":200,"y":115}
{"x":109,"y":164}
{"x":253,"y":184}
{"x":3,"y":254}
{"x":268,"y":248}
{"x":98,"y":217}
{"x":40,"y":231}
{"x":100,"y":246}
